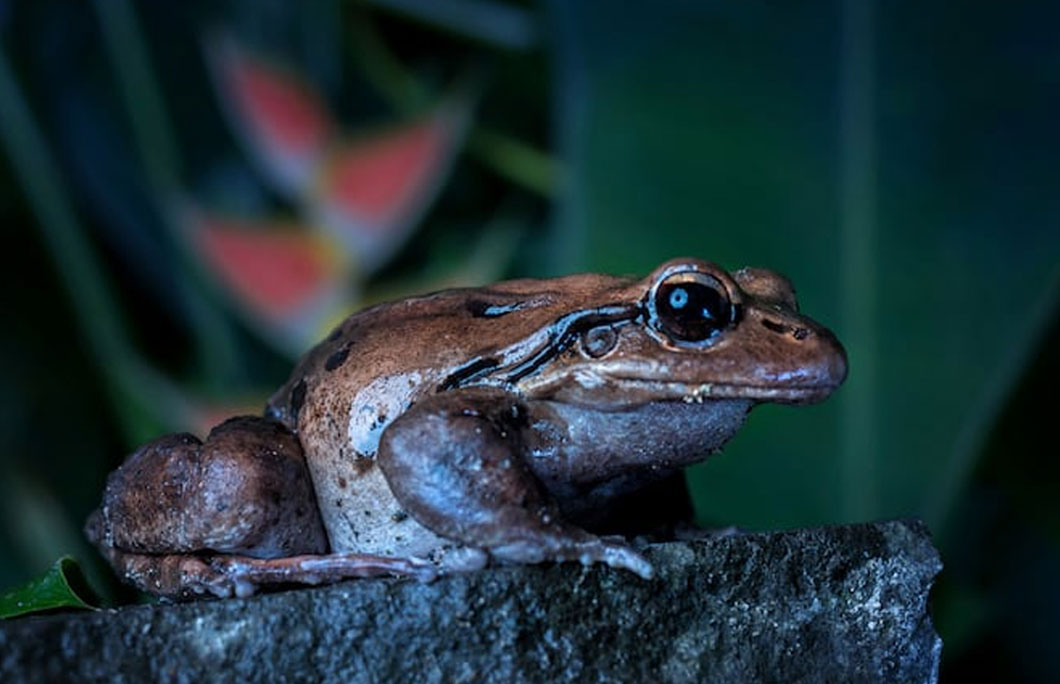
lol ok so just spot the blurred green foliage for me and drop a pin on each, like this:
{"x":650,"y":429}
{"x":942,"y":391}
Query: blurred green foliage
{"x":897,"y":160}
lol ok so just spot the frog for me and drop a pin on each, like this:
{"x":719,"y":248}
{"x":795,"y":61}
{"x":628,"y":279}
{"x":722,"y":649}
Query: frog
{"x":446,"y":432}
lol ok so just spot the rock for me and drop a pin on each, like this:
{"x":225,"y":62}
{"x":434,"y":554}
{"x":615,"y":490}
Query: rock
{"x":820,"y":605}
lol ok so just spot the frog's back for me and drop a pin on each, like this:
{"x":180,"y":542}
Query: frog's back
{"x":433,"y":334}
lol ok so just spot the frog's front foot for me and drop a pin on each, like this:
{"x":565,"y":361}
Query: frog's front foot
{"x":454,"y":462}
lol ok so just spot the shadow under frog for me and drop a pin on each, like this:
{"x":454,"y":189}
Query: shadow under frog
{"x":436,"y":433}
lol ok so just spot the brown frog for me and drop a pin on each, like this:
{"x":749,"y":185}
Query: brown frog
{"x":433,"y":434}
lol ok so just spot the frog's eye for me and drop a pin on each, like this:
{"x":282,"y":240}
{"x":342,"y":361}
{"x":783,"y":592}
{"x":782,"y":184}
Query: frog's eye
{"x":690,"y":307}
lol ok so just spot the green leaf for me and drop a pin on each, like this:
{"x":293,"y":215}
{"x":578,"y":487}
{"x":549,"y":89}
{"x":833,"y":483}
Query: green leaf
{"x":54,"y":589}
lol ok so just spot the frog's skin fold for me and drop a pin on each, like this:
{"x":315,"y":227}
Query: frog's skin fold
{"x":437,"y":433}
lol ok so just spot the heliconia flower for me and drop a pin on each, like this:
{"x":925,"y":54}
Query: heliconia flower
{"x":367,"y":189}
{"x":375,"y":188}
{"x":290,"y":281}
{"x":281,"y":120}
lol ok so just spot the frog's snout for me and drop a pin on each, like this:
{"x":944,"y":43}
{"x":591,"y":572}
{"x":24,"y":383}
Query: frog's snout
{"x":806,"y":362}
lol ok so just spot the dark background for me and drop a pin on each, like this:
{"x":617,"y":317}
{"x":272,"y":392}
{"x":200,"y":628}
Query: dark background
{"x":898,"y":161}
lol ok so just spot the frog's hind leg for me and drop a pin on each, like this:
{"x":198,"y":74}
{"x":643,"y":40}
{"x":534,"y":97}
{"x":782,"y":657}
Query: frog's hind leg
{"x":182,"y":517}
{"x":454,"y":462}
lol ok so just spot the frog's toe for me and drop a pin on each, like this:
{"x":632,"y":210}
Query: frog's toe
{"x":612,"y":551}
{"x":621,"y":556}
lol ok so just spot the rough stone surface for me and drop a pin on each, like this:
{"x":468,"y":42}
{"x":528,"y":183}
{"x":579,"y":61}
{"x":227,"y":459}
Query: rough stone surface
{"x":840,"y":604}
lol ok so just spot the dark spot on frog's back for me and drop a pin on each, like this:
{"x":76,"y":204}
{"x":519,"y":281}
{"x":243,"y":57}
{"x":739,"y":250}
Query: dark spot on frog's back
{"x":338,"y":358}
{"x":297,"y":399}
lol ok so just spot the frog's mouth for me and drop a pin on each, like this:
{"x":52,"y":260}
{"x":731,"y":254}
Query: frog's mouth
{"x":611,"y":393}
{"x":698,"y":393}
{"x":780,"y":395}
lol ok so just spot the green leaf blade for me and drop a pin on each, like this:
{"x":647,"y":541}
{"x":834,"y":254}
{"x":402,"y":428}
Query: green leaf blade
{"x":53,"y":590}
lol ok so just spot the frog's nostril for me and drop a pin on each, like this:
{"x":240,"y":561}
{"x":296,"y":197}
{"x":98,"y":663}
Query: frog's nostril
{"x":774,"y":326}
{"x":797,"y":331}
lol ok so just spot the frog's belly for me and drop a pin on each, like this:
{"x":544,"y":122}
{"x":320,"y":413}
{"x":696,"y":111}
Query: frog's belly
{"x":362,"y":516}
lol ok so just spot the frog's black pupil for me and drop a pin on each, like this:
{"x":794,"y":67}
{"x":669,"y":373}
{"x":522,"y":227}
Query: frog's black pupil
{"x":691,"y":311}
